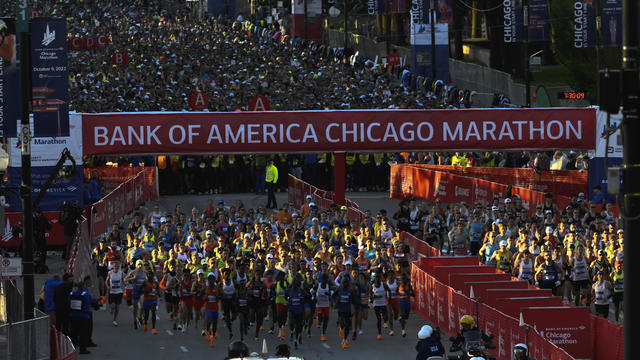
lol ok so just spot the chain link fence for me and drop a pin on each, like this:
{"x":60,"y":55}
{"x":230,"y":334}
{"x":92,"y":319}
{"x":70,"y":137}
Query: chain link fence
{"x":27,"y":339}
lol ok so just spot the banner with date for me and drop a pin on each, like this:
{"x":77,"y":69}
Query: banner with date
{"x":50,"y":78}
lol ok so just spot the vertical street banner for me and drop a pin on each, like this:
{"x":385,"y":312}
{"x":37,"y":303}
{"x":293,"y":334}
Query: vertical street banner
{"x":538,"y":20}
{"x":444,"y":12}
{"x":420,"y":30}
{"x":9,"y":79}
{"x":512,"y":21}
{"x":612,"y":23}
{"x":375,"y":7}
{"x":50,"y":79}
{"x":584,"y":24}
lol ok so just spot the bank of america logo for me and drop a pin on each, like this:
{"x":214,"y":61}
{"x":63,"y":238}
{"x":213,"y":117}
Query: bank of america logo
{"x":48,"y":37}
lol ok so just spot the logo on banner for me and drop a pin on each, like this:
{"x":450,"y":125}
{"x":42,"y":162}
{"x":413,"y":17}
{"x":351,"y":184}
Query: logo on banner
{"x":462,"y":191}
{"x":48,"y":37}
{"x":7,"y":231}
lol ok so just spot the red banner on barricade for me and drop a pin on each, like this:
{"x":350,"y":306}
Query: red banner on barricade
{"x":443,"y":272}
{"x":607,"y":338}
{"x":493,"y":294}
{"x":560,"y":182}
{"x":321,"y":131}
{"x":112,"y":176}
{"x":411,"y":181}
{"x":567,"y":327}
{"x":458,"y":281}
{"x":512,"y":306}
{"x":53,"y":236}
{"x":480,"y":288}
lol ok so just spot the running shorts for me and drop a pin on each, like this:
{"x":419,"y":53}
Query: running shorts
{"x":211,"y":315}
{"x":115,"y":299}
{"x":148,"y":304}
{"x":324,"y":311}
{"x":602,"y":310}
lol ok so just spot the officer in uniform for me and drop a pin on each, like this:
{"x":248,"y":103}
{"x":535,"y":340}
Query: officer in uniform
{"x":80,"y":303}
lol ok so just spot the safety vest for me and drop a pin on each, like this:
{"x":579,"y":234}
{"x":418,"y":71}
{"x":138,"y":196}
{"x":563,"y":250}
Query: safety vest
{"x":378,"y":158}
{"x":364,"y":158}
{"x":215,"y":161}
{"x":322,"y":158}
{"x":618,"y":282}
{"x":350,"y":159}
{"x":271,"y":174}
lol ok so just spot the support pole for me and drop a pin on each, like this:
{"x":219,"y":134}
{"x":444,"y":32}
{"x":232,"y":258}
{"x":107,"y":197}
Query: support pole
{"x":25,"y":135}
{"x":525,"y":46}
{"x":630,"y":163}
{"x":339,"y":177}
{"x":432,"y":21}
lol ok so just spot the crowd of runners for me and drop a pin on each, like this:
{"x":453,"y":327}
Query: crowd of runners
{"x":254,"y":271}
{"x":577,"y":252}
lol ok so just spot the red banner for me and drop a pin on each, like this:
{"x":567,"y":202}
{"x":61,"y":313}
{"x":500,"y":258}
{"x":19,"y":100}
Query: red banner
{"x":112,"y":176}
{"x":54,"y":236}
{"x":567,"y":327}
{"x":493,"y":294}
{"x":320,"y":131}
{"x":442,"y":272}
{"x":561,"y":182}
{"x":458,"y":281}
{"x":512,"y":306}
{"x":126,"y":197}
{"x":411,"y":181}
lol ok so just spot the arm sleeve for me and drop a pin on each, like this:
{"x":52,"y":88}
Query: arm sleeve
{"x":275,"y":174}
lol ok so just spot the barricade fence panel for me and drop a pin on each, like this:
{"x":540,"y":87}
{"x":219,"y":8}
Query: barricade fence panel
{"x":26,"y":339}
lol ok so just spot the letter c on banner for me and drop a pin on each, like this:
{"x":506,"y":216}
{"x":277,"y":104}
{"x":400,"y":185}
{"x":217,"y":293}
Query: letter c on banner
{"x":328,"y":133}
{"x":183,"y":134}
{"x":369,"y":136}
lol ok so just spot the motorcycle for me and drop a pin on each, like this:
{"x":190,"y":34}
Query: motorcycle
{"x":473,"y":346}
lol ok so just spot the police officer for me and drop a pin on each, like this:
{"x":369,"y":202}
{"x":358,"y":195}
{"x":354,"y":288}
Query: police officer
{"x":428,"y":344}
{"x":80,"y":303}
{"x":271,"y":179}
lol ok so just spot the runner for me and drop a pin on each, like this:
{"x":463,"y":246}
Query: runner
{"x":171,"y":287}
{"x":364,"y":289}
{"x":228,"y":299}
{"x":137,"y":278}
{"x":150,"y":302}
{"x":114,"y":283}
{"x":602,"y":294}
{"x":392,"y":284}
{"x":309,"y":289}
{"x":296,"y":311}
{"x":323,"y":296}
{"x":617,"y":277}
{"x":258,"y":302}
{"x":580,"y":276}
{"x":405,"y":292}
{"x":186,"y":301}
{"x":211,"y":296}
{"x":345,"y":297}
{"x":282,"y":288}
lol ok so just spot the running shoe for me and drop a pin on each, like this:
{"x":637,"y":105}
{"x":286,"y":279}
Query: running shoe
{"x":323,"y":337}
{"x":261,"y":328}
{"x":345,"y":344}
{"x":213,"y":342}
{"x":207,"y":334}
{"x":154,"y":331}
{"x":360,"y":332}
{"x":115,"y":323}
{"x":271,"y":331}
{"x":295,"y":345}
{"x":145,"y":328}
{"x":379,"y":336}
{"x":404,"y":333}
{"x":179,"y":327}
{"x":391,"y":333}
{"x":341,"y":333}
{"x":171,"y":318}
{"x":204,"y":332}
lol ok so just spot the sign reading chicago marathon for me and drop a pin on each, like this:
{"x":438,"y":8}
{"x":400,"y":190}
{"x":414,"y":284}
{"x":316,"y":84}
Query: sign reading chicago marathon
{"x":320,"y":131}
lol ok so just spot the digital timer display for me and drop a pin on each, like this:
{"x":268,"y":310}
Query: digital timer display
{"x":571,"y":95}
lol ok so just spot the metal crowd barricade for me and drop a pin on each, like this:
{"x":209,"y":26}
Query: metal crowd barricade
{"x":27,"y":339}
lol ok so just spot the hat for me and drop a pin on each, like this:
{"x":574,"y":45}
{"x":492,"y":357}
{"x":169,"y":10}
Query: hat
{"x":356,"y":232}
{"x":503,"y":243}
{"x":163,"y":219}
{"x":317,"y":259}
{"x":343,"y":207}
{"x":208,"y":232}
{"x":312,"y":204}
{"x":211,"y":274}
{"x":348,"y":262}
{"x":507,"y":201}
{"x":548,"y":212}
{"x":200,"y":272}
{"x":139,"y":262}
{"x":548,"y":230}
{"x":269,"y":256}
{"x":315,"y":219}
{"x":580,"y":194}
{"x":498,"y":221}
{"x":220,"y":201}
{"x":495,"y":208}
{"x":247,"y":235}
{"x":425,"y":332}
{"x":620,"y":231}
{"x":308,"y":197}
{"x":203,"y":262}
{"x":600,"y":252}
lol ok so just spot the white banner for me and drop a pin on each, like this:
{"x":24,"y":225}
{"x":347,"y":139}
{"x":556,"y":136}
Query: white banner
{"x":46,"y":151}
{"x":615,"y":139}
{"x":314,"y":7}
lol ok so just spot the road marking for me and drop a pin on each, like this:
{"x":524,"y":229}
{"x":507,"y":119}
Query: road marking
{"x":326,"y":346}
{"x":184,"y":349}
{"x":170,"y":332}
{"x":157,"y":317}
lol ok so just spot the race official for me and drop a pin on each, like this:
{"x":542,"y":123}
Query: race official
{"x":271,"y":179}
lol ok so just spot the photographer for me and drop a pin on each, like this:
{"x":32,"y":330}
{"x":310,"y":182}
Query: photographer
{"x":70,"y":215}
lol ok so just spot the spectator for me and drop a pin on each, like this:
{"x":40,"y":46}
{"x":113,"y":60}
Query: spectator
{"x":96,"y":190}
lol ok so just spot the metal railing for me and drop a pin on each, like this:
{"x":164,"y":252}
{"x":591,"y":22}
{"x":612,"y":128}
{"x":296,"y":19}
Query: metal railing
{"x":10,"y":302}
{"x":26,"y":339}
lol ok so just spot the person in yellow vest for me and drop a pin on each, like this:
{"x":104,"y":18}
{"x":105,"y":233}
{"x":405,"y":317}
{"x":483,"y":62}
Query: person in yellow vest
{"x":271,"y":180}
{"x":364,"y":172}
